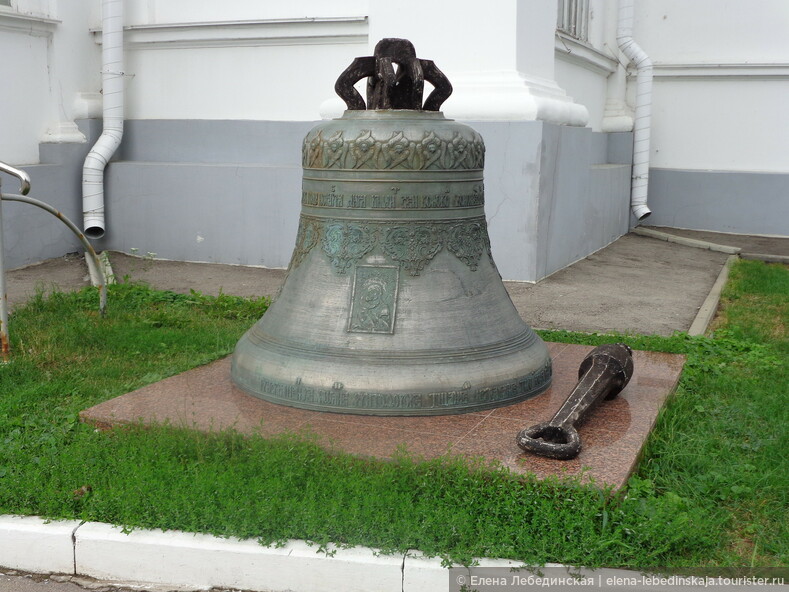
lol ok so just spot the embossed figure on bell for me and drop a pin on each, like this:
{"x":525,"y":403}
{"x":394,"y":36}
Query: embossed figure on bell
{"x":392,"y":304}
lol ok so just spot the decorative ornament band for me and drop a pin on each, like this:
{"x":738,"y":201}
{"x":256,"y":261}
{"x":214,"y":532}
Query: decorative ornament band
{"x":410,"y":245}
{"x":398,"y":151}
{"x":390,"y":87}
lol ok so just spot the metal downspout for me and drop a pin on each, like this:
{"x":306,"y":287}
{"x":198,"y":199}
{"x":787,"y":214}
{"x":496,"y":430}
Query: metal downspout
{"x":643,"y":110}
{"x":110,"y":139}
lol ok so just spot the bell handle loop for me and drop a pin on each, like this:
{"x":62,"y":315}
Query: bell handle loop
{"x":360,"y":68}
{"x":388,"y":88}
{"x":442,"y":88}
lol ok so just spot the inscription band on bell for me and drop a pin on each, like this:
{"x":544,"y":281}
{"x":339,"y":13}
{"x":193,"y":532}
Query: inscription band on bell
{"x":432,"y":403}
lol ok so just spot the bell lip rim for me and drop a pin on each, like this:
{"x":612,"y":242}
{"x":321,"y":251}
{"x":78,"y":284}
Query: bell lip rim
{"x":388,"y":412}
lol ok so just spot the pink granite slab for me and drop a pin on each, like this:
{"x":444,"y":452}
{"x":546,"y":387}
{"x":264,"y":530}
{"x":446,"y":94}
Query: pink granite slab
{"x":204,"y":398}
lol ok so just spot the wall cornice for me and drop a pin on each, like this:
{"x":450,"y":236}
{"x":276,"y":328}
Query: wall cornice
{"x":728,"y":71}
{"x":16,"y":22}
{"x":297,"y":31}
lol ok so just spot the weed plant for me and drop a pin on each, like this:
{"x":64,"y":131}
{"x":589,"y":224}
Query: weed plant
{"x":711,"y":489}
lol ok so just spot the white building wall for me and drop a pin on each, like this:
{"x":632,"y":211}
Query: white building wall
{"x":721,"y":75}
{"x":583,"y":67}
{"x":238,"y":60}
{"x":721,"y":82}
{"x":48,"y":60}
{"x":713,"y":31}
{"x":721,"y":123}
{"x":264,"y":83}
{"x":586,"y":84}
{"x":147,"y":12}
{"x":29,"y":100}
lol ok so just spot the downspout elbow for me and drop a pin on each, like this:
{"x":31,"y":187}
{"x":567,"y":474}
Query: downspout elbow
{"x":93,"y":181}
{"x":640,"y":209}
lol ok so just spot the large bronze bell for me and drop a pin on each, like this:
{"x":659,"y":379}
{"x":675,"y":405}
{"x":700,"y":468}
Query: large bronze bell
{"x":392,"y":304}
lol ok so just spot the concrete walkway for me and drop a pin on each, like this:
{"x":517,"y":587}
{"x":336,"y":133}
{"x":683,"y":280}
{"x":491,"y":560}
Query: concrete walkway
{"x":635,"y":285}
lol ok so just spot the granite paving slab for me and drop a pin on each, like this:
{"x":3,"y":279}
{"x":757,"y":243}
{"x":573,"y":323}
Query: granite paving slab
{"x":205,"y":399}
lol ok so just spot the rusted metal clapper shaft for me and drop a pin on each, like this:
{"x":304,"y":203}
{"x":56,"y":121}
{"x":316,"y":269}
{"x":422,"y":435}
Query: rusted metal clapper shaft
{"x":602,"y":375}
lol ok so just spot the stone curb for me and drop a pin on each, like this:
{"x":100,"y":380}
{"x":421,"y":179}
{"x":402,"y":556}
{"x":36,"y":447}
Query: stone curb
{"x":174,"y":560}
{"x":198,"y":561}
{"x":29,"y":543}
{"x":710,"y":305}
{"x":688,"y":242}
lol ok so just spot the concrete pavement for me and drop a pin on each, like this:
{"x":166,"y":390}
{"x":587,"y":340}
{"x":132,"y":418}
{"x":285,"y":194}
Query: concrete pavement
{"x":637,"y":284}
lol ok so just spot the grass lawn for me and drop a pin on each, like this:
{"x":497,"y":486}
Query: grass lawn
{"x":711,"y":489}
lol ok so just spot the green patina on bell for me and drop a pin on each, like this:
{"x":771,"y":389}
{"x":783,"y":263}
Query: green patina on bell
{"x":392,"y":304}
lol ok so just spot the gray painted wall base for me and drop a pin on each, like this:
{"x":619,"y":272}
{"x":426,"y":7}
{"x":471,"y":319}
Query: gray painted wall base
{"x":583,"y":202}
{"x":220,"y":213}
{"x":31,"y":234}
{"x":229,"y":192}
{"x":720,"y":201}
{"x":553,"y":194}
